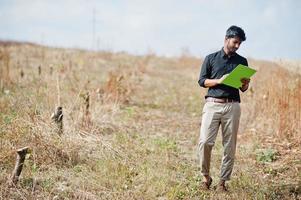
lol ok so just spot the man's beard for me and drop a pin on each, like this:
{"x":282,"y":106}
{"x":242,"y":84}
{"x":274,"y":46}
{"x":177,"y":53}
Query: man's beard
{"x":231,"y":50}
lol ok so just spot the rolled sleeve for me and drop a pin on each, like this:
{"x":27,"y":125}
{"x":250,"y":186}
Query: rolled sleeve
{"x":204,"y":72}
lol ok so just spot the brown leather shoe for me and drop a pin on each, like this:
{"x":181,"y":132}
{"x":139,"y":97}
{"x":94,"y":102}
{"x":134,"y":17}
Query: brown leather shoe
{"x":222,"y":187}
{"x":207,"y":184}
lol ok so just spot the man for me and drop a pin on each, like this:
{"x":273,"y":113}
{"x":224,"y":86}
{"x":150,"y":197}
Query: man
{"x":222,"y":105}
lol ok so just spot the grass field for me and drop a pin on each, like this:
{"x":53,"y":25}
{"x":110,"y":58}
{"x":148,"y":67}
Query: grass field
{"x":137,"y":138}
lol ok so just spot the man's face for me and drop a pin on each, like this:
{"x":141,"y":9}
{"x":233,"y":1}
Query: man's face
{"x":232,"y":44}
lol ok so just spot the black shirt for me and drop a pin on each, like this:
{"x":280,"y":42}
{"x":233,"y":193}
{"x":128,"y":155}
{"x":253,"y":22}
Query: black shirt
{"x":215,"y":66}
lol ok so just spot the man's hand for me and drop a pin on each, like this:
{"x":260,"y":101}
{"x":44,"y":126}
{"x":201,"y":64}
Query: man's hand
{"x":215,"y":82}
{"x":222,"y":78}
{"x":245,"y":84}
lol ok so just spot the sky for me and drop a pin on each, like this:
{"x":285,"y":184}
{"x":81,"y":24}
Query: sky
{"x":164,"y":27}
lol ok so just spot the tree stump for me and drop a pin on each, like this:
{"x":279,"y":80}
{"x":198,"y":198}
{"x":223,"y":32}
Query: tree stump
{"x":100,"y":94}
{"x":21,"y":73}
{"x":51,"y":70}
{"x":40,"y":70}
{"x":85,"y":109}
{"x":87,"y":103}
{"x":57,"y":117}
{"x":21,"y":154}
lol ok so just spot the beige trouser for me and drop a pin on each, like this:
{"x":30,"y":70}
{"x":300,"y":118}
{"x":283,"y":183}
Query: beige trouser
{"x":215,"y":114}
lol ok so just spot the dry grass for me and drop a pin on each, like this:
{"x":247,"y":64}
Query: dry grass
{"x":138,"y":139}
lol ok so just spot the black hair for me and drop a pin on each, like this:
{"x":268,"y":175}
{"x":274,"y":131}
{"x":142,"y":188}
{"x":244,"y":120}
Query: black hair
{"x":235,"y":31}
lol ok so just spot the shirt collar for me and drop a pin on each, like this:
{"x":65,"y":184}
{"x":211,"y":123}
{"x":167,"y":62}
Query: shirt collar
{"x":224,"y":55}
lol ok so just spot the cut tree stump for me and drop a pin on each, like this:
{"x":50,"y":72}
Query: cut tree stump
{"x":40,"y":70}
{"x":21,"y":73}
{"x":57,"y":117}
{"x":21,"y":154}
{"x":87,"y":103}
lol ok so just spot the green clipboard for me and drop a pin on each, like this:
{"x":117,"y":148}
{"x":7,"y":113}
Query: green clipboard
{"x":241,"y":71}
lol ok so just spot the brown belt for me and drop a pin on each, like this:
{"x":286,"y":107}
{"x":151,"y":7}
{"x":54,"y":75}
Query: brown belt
{"x":220,"y":100}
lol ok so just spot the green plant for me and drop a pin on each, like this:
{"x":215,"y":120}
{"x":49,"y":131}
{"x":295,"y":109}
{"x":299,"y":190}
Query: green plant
{"x":266,"y":155}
